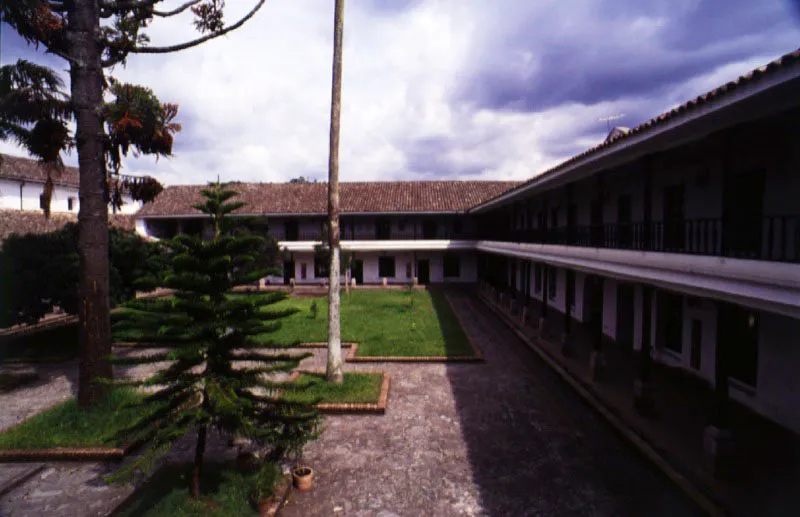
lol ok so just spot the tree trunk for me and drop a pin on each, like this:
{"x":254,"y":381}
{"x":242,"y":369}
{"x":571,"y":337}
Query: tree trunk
{"x":87,"y":99}
{"x":198,"y":460}
{"x":334,"y":370}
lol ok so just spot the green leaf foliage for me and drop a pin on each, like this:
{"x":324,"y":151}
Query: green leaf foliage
{"x":206,"y":333}
{"x":40,"y":272}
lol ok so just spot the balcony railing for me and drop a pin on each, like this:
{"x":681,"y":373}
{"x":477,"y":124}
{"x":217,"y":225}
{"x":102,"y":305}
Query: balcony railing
{"x":348,"y":235}
{"x":776,"y":238}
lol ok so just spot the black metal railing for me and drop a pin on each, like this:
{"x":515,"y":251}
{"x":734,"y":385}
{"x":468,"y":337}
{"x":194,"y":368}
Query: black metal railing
{"x":776,"y":238}
{"x":347,"y":235}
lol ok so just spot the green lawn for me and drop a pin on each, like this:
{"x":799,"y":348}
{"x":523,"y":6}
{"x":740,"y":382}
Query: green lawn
{"x":226,"y":492}
{"x":357,"y":388}
{"x":66,"y":425}
{"x":382,"y":322}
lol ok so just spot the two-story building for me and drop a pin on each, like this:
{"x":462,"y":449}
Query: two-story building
{"x":678,"y":238}
{"x":22,"y":182}
{"x":397,"y":232}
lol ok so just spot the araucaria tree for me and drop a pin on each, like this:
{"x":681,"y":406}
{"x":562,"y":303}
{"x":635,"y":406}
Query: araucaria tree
{"x":220,"y":376}
{"x":92,"y":36}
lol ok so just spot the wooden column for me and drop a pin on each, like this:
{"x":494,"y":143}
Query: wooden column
{"x":569,"y":300}
{"x":647,"y":230}
{"x":597,"y":360}
{"x":642,"y":387}
{"x":717,"y":438}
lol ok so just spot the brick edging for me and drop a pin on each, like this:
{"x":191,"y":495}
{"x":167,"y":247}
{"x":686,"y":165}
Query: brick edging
{"x":65,"y":454}
{"x":590,"y":396}
{"x":352,"y":407}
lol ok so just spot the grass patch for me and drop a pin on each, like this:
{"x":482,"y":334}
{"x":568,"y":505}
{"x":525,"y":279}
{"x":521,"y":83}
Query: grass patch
{"x":226,"y":492}
{"x":357,"y":388}
{"x":67,"y":425}
{"x":49,"y":345}
{"x":384,"y":323}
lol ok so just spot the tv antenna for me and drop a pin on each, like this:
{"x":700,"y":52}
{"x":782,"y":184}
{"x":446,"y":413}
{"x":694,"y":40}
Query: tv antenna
{"x":608,"y":119}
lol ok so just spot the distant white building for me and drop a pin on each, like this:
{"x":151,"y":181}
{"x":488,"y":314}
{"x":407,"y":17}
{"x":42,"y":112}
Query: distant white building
{"x":22,"y":185}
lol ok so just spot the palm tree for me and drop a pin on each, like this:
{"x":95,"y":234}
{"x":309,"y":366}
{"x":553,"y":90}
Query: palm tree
{"x":334,"y":372}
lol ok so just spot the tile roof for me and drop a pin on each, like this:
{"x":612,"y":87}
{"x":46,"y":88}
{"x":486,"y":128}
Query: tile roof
{"x":23,"y":222}
{"x":19,"y":168}
{"x":782,"y":63}
{"x":312,"y":198}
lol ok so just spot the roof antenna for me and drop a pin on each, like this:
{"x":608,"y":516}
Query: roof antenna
{"x":608,"y":120}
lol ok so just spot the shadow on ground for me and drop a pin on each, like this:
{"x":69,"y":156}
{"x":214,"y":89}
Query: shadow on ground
{"x":534,"y":447}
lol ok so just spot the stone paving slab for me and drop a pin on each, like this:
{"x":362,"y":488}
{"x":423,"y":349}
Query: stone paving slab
{"x":501,"y":438}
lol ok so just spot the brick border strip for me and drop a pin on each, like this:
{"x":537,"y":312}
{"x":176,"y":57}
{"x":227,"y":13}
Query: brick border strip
{"x":618,"y":423}
{"x":351,"y":356}
{"x":359,"y":408}
{"x":65,"y":454}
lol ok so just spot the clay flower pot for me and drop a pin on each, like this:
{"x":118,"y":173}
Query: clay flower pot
{"x":303,"y":478}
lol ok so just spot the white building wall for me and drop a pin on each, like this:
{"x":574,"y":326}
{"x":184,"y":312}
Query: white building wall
{"x":29,"y":200}
{"x":777,"y":395}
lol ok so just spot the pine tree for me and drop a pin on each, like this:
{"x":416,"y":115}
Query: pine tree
{"x":205,"y":329}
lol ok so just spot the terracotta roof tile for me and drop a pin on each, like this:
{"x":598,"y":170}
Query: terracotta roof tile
{"x":22,"y":222}
{"x":312,"y":198}
{"x":18,"y":168}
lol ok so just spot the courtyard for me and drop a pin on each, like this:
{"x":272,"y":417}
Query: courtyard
{"x":503,"y":437}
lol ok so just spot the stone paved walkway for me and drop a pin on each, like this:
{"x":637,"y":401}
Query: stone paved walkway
{"x":501,"y":438}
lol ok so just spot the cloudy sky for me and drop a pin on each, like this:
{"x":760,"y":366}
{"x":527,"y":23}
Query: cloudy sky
{"x":437,"y":89}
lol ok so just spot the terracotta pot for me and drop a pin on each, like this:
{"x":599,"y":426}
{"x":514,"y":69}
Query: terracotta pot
{"x":303,"y":478}
{"x":264,"y":506}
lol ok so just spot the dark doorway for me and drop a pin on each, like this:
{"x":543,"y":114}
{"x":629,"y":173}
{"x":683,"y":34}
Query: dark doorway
{"x":513,"y":266}
{"x":625,"y":308}
{"x":596,"y":219}
{"x":291,"y":231}
{"x":624,"y":220}
{"x":743,"y":209}
{"x":593,"y":302}
{"x":423,"y":272}
{"x":358,"y":271}
{"x":670,"y":321}
{"x":429,"y":229}
{"x":697,"y":344}
{"x":674,"y":218}
{"x":288,"y":271}
{"x":383,"y":229}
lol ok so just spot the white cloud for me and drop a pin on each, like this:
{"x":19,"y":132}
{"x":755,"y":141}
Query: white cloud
{"x":255,"y":105}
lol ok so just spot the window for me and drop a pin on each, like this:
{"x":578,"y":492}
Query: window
{"x":739,"y":333}
{"x":452,"y":266}
{"x":303,"y":271}
{"x":552,"y":279}
{"x":70,"y":203}
{"x":401,"y":225}
{"x":554,"y":217}
{"x":41,"y":201}
{"x":386,"y":267}
{"x":537,"y":278}
{"x":321,"y":267}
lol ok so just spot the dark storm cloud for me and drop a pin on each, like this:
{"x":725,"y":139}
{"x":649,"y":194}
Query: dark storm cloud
{"x":432,"y":158}
{"x":607,"y":55}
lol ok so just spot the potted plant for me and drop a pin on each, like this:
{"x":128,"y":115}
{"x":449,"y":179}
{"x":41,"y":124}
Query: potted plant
{"x":263,"y":493}
{"x":303,"y":477}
